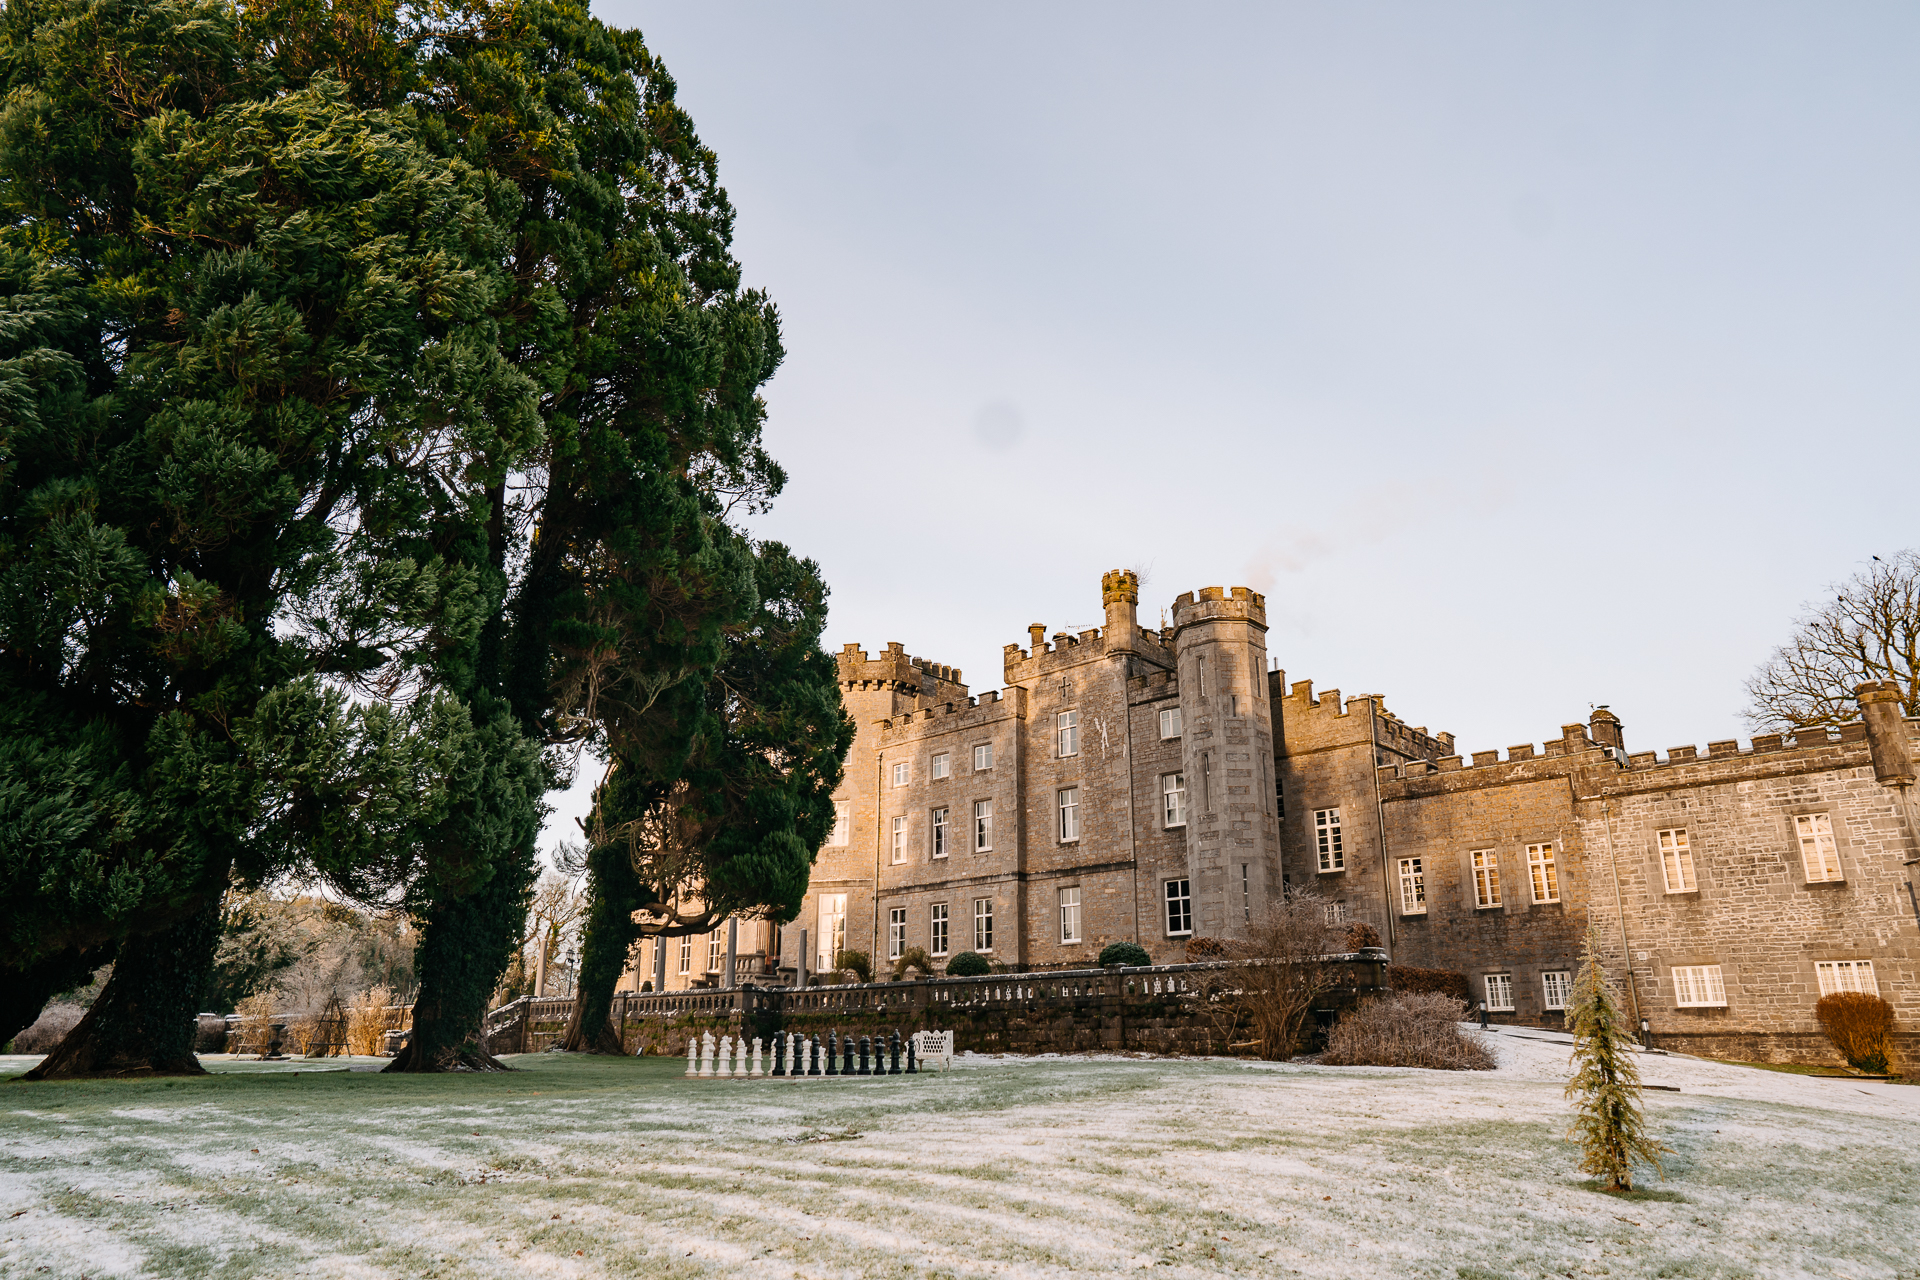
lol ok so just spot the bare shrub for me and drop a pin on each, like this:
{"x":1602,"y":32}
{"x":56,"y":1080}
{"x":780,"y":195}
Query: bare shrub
{"x":1860,"y":1026}
{"x":49,"y":1029}
{"x":1201,"y":949}
{"x":369,"y":1019}
{"x":1407,"y":1030}
{"x":1288,"y":969}
{"x":1405,"y":980}
{"x":256,"y":1025}
{"x":1361,"y":935}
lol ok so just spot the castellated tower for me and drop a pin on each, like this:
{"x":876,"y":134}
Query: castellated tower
{"x":1233,"y":855}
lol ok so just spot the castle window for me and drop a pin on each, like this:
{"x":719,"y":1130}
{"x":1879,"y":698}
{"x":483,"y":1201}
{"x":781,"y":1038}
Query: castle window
{"x":1200,"y":668}
{"x":1173,"y":795}
{"x":1179,"y":908}
{"x":1699,"y":987}
{"x":1500,"y":993}
{"x":982,"y":826}
{"x":983,"y":757}
{"x":1170,"y":722}
{"x":1846,"y":975}
{"x":901,"y":773}
{"x":940,"y":759}
{"x":1070,"y":814}
{"x":1279,"y":796}
{"x":686,"y":953}
{"x":1817,"y":850}
{"x":1676,"y":861}
{"x":1486,"y":879}
{"x":1070,"y":915}
{"x":896,"y":932}
{"x":1067,"y":723}
{"x":899,"y":840}
{"x":830,"y":939}
{"x":1326,"y":836}
{"x":1246,"y":892}
{"x":1336,"y":913}
{"x":939,"y":825}
{"x":1545,"y":877}
{"x":983,"y":924}
{"x":1555,"y":986}
{"x":1233,"y":705}
{"x":938,"y":922}
{"x":842,"y":823}
{"x":1413,"y":887}
{"x":713,"y":952}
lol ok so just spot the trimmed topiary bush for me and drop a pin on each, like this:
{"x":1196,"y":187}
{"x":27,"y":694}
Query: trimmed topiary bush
{"x":968,"y":964}
{"x":855,"y":963}
{"x":1129,"y":953}
{"x":1860,"y":1027}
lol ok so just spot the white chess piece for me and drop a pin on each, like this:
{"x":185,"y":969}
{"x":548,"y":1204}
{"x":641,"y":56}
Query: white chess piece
{"x":723,"y":1064}
{"x":706,"y":1054}
{"x":755,"y":1073}
{"x":693,"y":1055}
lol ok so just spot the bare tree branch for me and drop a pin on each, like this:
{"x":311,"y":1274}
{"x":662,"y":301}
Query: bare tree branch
{"x":1870,"y":630}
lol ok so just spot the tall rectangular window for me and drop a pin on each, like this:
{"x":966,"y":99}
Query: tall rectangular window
{"x":1246,"y":892}
{"x":940,"y":761}
{"x":1170,"y":722}
{"x":1818,"y":853}
{"x":1279,"y":796}
{"x":686,"y":954}
{"x":900,"y":773}
{"x":1326,"y":838}
{"x":1544,"y":875}
{"x":1676,"y":861}
{"x":1699,"y":987}
{"x":1555,"y":986}
{"x":831,"y":938}
{"x":1486,"y":878}
{"x":1070,"y":915}
{"x":1067,"y":725}
{"x":1846,"y":975}
{"x":1336,"y":913}
{"x":1173,"y":796}
{"x":982,"y":825}
{"x":1179,"y":907}
{"x":938,"y":924}
{"x":1500,"y":992}
{"x":983,"y":924}
{"x":842,"y":822}
{"x":1070,"y":814}
{"x":939,"y":826}
{"x":1413,"y":887}
{"x":896,"y":932}
{"x":983,"y":757}
{"x":899,"y":840}
{"x":713,"y":952}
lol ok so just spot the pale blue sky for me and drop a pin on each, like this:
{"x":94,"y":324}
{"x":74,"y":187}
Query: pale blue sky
{"x":1526,"y":356}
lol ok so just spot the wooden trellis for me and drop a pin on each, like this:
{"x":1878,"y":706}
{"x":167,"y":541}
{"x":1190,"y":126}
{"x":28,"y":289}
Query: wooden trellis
{"x":329,"y":1036}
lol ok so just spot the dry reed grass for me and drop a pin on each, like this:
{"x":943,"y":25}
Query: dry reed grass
{"x":369,"y":1018}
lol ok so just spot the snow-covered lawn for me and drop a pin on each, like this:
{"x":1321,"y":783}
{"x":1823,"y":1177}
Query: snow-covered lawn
{"x":1001,"y":1167}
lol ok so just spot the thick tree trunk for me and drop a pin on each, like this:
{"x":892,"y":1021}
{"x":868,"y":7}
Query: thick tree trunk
{"x":610,"y":932}
{"x":464,"y":950}
{"x":25,"y":992}
{"x":144,"y":1023}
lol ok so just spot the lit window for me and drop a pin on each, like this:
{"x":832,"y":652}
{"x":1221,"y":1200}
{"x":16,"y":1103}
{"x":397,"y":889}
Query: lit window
{"x":1170,"y":722}
{"x":830,"y":939}
{"x":1556,"y":985}
{"x":1179,"y":907}
{"x":842,"y":822}
{"x":686,"y":953}
{"x":1067,"y":724}
{"x":1817,"y":850}
{"x":1699,"y":987}
{"x":1846,"y":975}
{"x":1326,"y":835}
{"x":982,"y":825}
{"x":896,"y":932}
{"x":940,"y":832}
{"x":983,"y":924}
{"x":939,"y":928}
{"x":1545,"y":877}
{"x":900,"y":774}
{"x":1676,"y":861}
{"x":1070,"y":915}
{"x":899,"y":840}
{"x":940,"y":764}
{"x":713,"y":952}
{"x":1173,"y":795}
{"x":1500,"y":993}
{"x":1486,"y":878}
{"x":1413,"y":887}
{"x":983,"y":757}
{"x":1070,"y":814}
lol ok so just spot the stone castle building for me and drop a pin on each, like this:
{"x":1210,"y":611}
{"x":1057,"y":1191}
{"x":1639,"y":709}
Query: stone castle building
{"x":1158,"y":785}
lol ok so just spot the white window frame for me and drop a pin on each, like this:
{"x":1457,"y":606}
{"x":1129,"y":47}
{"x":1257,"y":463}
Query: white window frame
{"x":1169,"y":722}
{"x":982,"y":757}
{"x":902,"y":773}
{"x":1819,"y":851}
{"x":983,"y":826}
{"x":896,"y":932}
{"x":1556,"y":989}
{"x":1413,"y":887}
{"x":983,"y":924}
{"x":1846,"y":975}
{"x":1069,"y":807}
{"x":686,"y":953}
{"x":1173,"y":799}
{"x":1070,"y":914}
{"x":842,"y":823}
{"x":1336,"y":914}
{"x":1178,"y":897}
{"x":940,"y":766}
{"x":1486,"y":878}
{"x":938,"y":832}
{"x":716,"y":953}
{"x":1328,"y":841}
{"x":899,"y":841}
{"x":830,"y":935}
{"x":937,"y":923}
{"x":1543,"y":875}
{"x":1499,"y":988}
{"x":1067,"y":728}
{"x":1699,"y":986}
{"x":1676,"y":860}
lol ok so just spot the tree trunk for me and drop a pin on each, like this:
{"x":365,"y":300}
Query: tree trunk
{"x":464,"y":949}
{"x":610,"y":932}
{"x":144,"y":1021}
{"x":25,"y":992}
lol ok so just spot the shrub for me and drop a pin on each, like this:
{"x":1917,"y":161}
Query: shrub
{"x":912,"y":958}
{"x":369,"y":1019}
{"x":1361,"y":934}
{"x":1406,"y":981}
{"x":1411,"y":1030}
{"x":968,"y":964}
{"x":855,"y":963}
{"x":1199,"y":949}
{"x":1129,"y":953}
{"x":1860,"y":1027}
{"x":49,"y":1029}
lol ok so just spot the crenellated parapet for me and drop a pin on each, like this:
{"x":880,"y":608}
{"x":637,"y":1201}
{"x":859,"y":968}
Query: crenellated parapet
{"x":1307,"y":716}
{"x":895,"y":671}
{"x":1210,"y":604}
{"x":957,"y":715}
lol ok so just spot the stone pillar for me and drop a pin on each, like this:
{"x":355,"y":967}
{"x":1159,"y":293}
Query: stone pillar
{"x":659,"y":963}
{"x":1120,"y":593}
{"x":733,"y":947}
{"x":800,"y":971}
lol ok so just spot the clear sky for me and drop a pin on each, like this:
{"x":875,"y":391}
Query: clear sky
{"x":1526,"y":356}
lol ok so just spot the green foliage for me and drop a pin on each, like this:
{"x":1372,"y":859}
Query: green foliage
{"x":1860,"y":1026}
{"x":856,"y":963}
{"x":1608,"y":1122}
{"x":914,"y":958}
{"x":969,"y":964}
{"x":1127,"y":953}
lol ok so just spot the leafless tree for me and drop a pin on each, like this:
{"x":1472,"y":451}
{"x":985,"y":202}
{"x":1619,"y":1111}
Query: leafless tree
{"x":1870,"y":630}
{"x":1288,"y":953}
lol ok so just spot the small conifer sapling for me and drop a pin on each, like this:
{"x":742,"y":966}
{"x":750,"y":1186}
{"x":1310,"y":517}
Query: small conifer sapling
{"x":1608,"y":1121}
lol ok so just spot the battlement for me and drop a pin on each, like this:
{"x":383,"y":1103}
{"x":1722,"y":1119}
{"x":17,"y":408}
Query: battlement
{"x":944,"y":717}
{"x":1297,"y":705}
{"x":897,"y":672}
{"x":1211,"y":603}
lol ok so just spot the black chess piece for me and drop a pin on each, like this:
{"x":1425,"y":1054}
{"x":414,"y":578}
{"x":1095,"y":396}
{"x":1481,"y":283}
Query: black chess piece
{"x":893,"y":1047}
{"x":779,"y":1054}
{"x":865,"y":1044}
{"x":833,"y":1053}
{"x":848,"y":1043}
{"x":813,"y":1065}
{"x":912,"y":1067}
